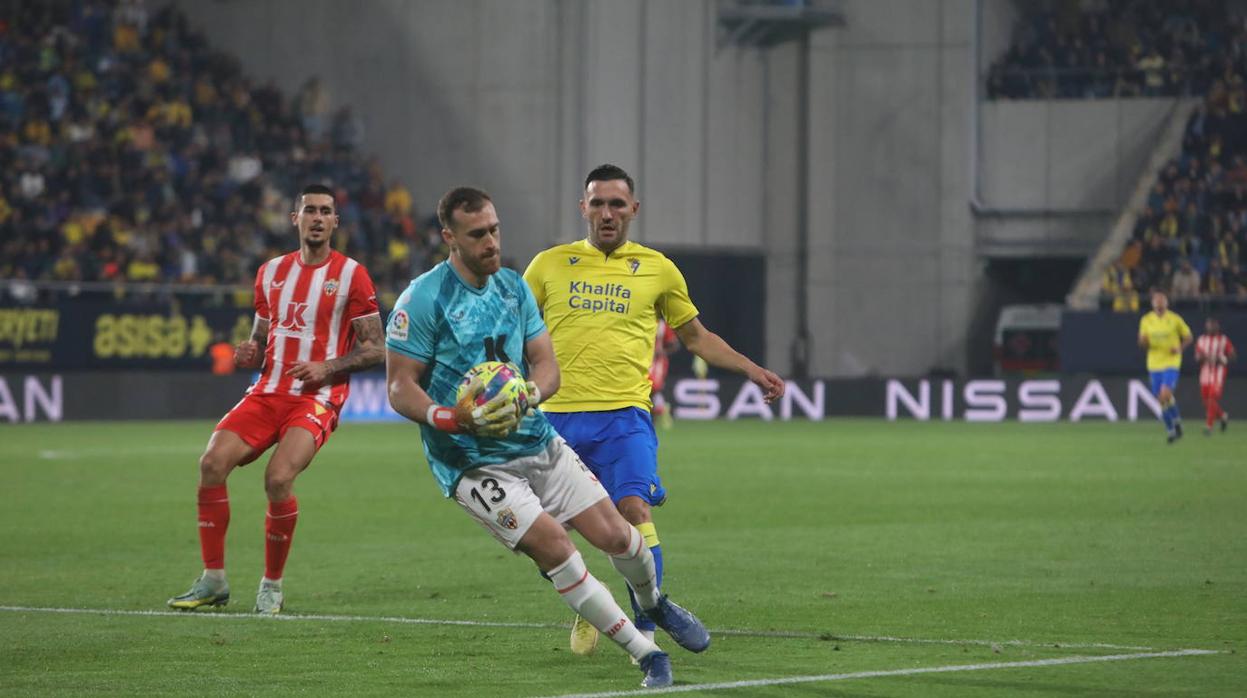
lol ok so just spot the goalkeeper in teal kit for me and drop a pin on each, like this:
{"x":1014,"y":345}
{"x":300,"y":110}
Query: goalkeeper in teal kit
{"x":502,"y":462}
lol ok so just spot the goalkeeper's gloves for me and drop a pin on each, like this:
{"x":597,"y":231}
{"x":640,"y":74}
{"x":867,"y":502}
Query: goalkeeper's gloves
{"x":495,"y":419}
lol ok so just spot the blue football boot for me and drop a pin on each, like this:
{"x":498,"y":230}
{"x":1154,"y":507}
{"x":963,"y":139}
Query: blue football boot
{"x":657,"y":668}
{"x":680,"y":624}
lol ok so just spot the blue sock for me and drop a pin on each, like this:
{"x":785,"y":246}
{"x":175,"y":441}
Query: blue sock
{"x":1168,"y":419}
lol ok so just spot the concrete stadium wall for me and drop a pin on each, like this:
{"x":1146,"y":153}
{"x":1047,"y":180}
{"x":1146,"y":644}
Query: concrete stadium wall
{"x":893,"y":269}
{"x":1079,"y":160}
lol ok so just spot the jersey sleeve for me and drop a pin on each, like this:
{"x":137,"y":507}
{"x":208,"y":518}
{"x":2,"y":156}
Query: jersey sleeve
{"x":261,"y":299}
{"x":411,"y":328}
{"x":674,"y":303}
{"x":530,"y":315}
{"x":533,"y":279}
{"x":363,"y":298}
{"x":1183,"y":330}
{"x":1143,"y":326}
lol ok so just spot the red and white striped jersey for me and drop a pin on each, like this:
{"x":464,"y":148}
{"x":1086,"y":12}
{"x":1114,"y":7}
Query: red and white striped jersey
{"x":309,"y":311}
{"x":1209,"y":349}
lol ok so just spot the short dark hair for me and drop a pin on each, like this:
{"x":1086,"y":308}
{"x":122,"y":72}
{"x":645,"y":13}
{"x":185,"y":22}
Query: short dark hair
{"x":470,"y":199}
{"x":315,"y":189}
{"x":607,"y":172}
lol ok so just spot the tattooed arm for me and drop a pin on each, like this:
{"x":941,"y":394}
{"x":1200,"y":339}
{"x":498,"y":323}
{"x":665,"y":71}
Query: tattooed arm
{"x":369,"y":351}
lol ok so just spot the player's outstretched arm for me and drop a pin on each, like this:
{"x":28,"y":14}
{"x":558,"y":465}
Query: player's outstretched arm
{"x":369,"y":351}
{"x":250,"y":354}
{"x":711,"y":347}
{"x":544,"y":378}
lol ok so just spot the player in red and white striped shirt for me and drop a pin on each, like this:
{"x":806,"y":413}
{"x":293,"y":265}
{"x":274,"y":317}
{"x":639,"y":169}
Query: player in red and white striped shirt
{"x":1213,"y":351}
{"x":316,"y":321}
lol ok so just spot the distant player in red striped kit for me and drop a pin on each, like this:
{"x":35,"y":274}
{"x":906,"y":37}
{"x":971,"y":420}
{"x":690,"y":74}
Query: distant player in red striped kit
{"x":1214,"y":351}
{"x":316,"y":321}
{"x":665,"y":344}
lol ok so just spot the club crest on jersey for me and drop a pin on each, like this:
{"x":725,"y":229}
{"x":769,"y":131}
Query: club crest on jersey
{"x":398,"y":325}
{"x":458,"y":314}
{"x":506,"y":519}
{"x":573,"y":260}
{"x":634,"y":264}
{"x":331,"y":287}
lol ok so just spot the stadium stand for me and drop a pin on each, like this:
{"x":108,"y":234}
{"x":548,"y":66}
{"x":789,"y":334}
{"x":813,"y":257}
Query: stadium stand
{"x":1118,"y":48}
{"x":1190,"y":236}
{"x":133,"y":152}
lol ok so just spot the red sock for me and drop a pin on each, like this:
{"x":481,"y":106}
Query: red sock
{"x":278,"y":532}
{"x":213,"y":521}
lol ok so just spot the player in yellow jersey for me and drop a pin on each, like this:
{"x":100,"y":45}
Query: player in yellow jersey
{"x":601,"y":297}
{"x":1165,"y":336}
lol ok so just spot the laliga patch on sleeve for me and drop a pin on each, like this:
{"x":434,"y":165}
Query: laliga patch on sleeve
{"x":398,"y":325}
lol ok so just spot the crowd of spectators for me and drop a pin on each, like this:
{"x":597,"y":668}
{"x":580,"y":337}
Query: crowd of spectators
{"x":1075,"y":49}
{"x":130,"y":151}
{"x":1191,"y":236}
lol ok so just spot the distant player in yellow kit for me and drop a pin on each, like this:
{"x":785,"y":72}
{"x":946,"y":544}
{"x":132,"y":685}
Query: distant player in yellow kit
{"x":601,"y":298}
{"x":1165,"y":336}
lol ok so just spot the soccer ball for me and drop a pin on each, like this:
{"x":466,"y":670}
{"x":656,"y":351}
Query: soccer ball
{"x":499,"y":379}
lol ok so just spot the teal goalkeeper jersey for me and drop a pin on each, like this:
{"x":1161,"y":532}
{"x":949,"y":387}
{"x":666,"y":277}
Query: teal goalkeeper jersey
{"x":450,"y":326}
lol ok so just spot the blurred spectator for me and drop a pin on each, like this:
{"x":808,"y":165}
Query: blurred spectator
{"x":1185,"y":282}
{"x":313,"y":106}
{"x":222,"y":354}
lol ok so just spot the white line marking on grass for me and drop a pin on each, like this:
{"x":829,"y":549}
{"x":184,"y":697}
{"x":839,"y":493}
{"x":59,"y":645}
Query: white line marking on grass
{"x":563,"y":626}
{"x":80,"y":453}
{"x":892,"y":672}
{"x":930,"y":641}
{"x":283,"y":617}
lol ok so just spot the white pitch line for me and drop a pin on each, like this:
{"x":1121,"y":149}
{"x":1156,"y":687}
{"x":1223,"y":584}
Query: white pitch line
{"x":931,"y":641}
{"x":81,"y":453}
{"x":564,"y":626}
{"x":892,"y":672}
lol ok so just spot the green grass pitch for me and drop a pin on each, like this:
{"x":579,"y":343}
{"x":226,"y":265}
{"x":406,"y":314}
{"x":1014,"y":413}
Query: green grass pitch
{"x":821,"y":544}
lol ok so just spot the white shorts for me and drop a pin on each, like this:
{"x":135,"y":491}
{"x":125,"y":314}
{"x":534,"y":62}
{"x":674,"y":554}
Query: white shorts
{"x":507,"y":498}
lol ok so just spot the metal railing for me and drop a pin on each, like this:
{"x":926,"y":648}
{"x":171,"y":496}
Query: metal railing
{"x":26,"y":292}
{"x":1093,"y":82}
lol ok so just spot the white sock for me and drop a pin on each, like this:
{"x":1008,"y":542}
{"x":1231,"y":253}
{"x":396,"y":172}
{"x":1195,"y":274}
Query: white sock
{"x":636,"y":565}
{"x":587,"y":597}
{"x":217,"y":577}
{"x":270,"y":582}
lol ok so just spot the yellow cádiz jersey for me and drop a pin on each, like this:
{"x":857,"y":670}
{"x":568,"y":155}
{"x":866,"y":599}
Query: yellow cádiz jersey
{"x":1164,"y":335}
{"x":602,"y":312}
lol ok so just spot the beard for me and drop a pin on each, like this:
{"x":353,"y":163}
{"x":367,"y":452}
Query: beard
{"x":486,"y":267}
